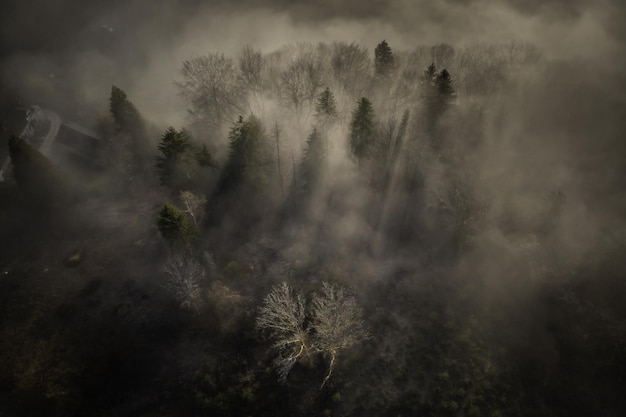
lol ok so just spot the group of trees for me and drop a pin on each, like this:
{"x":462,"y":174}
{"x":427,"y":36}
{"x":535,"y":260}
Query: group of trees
{"x":374,"y":141}
{"x":329,"y":323}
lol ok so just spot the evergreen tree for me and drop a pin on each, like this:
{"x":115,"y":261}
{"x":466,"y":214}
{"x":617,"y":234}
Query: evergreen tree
{"x":174,"y":226}
{"x":438,"y":93}
{"x":313,"y":160}
{"x":174,"y":144}
{"x":125,"y":114}
{"x":247,"y":156}
{"x":362,"y":134}
{"x":427,"y":83}
{"x":430,"y":73}
{"x":131,"y":145}
{"x":384,"y":60}
{"x":173,"y":165}
{"x":445,"y":86}
{"x":326,"y":106}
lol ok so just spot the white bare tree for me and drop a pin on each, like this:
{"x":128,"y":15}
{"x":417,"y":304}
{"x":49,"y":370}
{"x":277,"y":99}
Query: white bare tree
{"x":336,"y":319}
{"x":334,"y":323}
{"x":193,"y":205}
{"x":185,"y":280}
{"x":283,"y":316}
{"x":251,"y":77}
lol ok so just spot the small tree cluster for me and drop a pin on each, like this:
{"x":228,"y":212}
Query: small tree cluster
{"x":331,"y":323}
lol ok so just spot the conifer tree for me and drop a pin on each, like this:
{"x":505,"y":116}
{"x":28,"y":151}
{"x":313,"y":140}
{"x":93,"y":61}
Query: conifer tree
{"x":125,"y":114}
{"x":384,"y":60}
{"x":326,"y":106}
{"x":174,"y":226}
{"x":445,"y":87}
{"x":174,"y":144}
{"x":247,"y":157}
{"x":362,"y":134}
{"x":437,"y":93}
{"x":313,"y":160}
{"x":131,"y":145}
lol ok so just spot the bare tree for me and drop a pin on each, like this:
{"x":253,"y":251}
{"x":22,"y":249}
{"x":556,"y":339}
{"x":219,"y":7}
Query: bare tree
{"x":300,"y":82}
{"x":185,"y":278}
{"x":333,"y":324}
{"x":336,"y":318}
{"x":193,"y":205}
{"x":350,"y":68}
{"x":251,"y":69}
{"x":250,"y":77}
{"x":283,"y":316}
{"x":211,"y":87}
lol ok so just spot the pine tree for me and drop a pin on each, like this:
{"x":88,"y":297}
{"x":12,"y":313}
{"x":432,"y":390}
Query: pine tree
{"x":313,"y":160}
{"x":384,"y":60}
{"x":132,"y":148}
{"x":445,"y":86}
{"x":362,"y":133}
{"x":438,"y":93}
{"x":326,"y":106}
{"x":247,"y":156}
{"x":125,"y":114}
{"x":174,"y":226}
{"x":174,"y":144}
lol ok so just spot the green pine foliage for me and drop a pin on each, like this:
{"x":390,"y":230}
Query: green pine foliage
{"x":248,"y":157}
{"x":182,"y":164}
{"x":172,"y":166}
{"x":174,"y":225}
{"x":362,"y":130}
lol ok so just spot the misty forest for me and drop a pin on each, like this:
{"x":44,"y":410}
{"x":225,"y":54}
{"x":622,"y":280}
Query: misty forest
{"x":331,"y":228}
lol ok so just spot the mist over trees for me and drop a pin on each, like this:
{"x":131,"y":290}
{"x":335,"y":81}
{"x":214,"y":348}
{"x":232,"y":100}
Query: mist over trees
{"x":336,"y":229}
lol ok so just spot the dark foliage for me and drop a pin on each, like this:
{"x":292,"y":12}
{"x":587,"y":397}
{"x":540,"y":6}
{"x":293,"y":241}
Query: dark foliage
{"x":384,"y":60}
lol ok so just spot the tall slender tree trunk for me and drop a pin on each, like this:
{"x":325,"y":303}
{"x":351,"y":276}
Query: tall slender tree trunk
{"x":280,"y":174}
